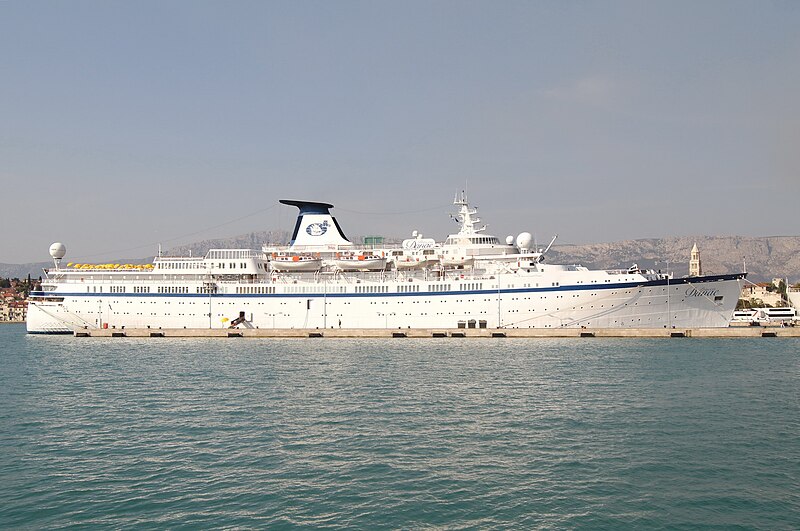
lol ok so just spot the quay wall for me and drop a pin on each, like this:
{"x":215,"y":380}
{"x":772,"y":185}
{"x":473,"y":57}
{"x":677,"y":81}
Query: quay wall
{"x":732,"y":332}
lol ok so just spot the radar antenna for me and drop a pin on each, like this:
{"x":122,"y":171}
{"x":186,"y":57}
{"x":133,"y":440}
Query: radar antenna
{"x":57,"y":252}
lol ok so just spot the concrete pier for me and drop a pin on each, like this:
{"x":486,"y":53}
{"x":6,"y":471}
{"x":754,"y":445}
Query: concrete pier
{"x":400,"y":333}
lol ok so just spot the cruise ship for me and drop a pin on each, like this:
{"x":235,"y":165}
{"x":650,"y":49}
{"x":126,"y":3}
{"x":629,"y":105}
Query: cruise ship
{"x":793,"y":293}
{"x":322,"y":280}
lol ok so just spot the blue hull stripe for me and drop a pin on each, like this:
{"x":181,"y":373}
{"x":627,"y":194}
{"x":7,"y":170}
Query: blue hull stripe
{"x":554,"y":289}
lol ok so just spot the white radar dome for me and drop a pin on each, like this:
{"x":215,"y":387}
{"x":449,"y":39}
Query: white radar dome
{"x":524,"y":240}
{"x":58,"y":250}
{"x":509,"y":240}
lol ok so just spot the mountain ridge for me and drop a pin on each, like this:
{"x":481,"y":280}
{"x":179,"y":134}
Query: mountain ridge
{"x":765,"y":257}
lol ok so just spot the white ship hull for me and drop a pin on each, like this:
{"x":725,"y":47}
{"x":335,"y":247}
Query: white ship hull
{"x":694,"y":302}
{"x":794,"y":297}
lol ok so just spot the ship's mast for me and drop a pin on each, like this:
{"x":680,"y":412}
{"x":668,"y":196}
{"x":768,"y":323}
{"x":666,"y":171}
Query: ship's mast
{"x":466,"y":216}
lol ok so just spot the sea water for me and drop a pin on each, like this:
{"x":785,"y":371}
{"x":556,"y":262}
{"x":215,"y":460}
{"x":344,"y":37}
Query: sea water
{"x":398,"y":433}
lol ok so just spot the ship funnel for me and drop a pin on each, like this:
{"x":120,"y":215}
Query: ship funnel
{"x":315,"y":226}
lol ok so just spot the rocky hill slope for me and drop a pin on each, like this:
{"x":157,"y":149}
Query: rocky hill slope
{"x":764,"y":257}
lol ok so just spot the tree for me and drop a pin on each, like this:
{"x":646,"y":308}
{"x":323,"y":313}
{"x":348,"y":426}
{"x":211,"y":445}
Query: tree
{"x":5,"y":283}
{"x":26,"y":290}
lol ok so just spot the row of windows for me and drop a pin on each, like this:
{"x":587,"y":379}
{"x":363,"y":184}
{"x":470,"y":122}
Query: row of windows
{"x":230,"y":254}
{"x":232,"y":265}
{"x":474,"y":239}
{"x":312,"y":289}
{"x":290,"y":289}
{"x":410,"y":288}
{"x":372,"y":289}
{"x":173,"y":289}
{"x":425,"y":252}
{"x":407,"y":289}
{"x":435,"y":288}
{"x":180,"y":265}
{"x":255,"y":289}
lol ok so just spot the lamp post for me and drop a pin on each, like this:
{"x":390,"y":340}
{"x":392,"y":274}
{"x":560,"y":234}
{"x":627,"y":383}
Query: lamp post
{"x":669,"y":310}
{"x":499,"y":314}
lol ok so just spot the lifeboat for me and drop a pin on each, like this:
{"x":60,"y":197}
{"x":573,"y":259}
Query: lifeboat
{"x":296,"y":262}
{"x":457,"y":261}
{"x":413,"y":262}
{"x":360,"y":262}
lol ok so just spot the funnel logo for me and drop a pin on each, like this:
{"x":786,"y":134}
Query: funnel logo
{"x":317,"y":229}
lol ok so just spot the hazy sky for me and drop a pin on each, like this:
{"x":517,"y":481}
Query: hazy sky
{"x":124,"y":124}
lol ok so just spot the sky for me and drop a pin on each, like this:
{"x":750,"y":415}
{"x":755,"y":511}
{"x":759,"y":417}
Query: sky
{"x":128,"y":124}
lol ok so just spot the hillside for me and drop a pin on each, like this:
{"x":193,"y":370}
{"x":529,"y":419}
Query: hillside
{"x":252,"y":240}
{"x":766,"y":257}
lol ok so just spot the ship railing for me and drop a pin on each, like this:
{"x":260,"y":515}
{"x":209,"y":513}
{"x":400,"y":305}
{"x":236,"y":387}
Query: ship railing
{"x":630,"y":272}
{"x":650,"y":274}
{"x":152,"y":280}
{"x":232,"y":254}
{"x":168,"y":258}
{"x":142,"y":268}
{"x":258,"y":280}
{"x":295,"y":249}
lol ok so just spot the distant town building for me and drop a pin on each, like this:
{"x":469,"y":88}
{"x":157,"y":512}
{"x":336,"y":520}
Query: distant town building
{"x":761,"y":294}
{"x":13,"y":306}
{"x":695,"y":267}
{"x":15,"y":311}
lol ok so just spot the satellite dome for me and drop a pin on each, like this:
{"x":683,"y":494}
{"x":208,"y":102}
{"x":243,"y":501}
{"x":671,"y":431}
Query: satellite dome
{"x":524,"y":240}
{"x":58,"y":250}
{"x":509,"y":240}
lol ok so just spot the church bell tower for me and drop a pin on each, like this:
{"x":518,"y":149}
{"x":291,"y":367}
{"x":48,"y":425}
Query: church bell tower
{"x":695,"y":268}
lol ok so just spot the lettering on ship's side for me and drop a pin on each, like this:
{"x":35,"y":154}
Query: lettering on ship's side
{"x":424,"y":243}
{"x":694,"y":292}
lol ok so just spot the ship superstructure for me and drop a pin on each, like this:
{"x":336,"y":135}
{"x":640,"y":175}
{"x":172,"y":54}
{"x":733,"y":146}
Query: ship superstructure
{"x":322,"y":280}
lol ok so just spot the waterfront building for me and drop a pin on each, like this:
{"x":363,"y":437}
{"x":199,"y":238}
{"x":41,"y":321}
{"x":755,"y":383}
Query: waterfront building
{"x":14,"y":311}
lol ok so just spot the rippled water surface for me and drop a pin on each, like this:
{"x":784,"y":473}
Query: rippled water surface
{"x":451,"y":433}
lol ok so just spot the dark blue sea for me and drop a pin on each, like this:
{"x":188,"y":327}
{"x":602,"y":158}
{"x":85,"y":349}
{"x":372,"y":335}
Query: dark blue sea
{"x":382,"y":434}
